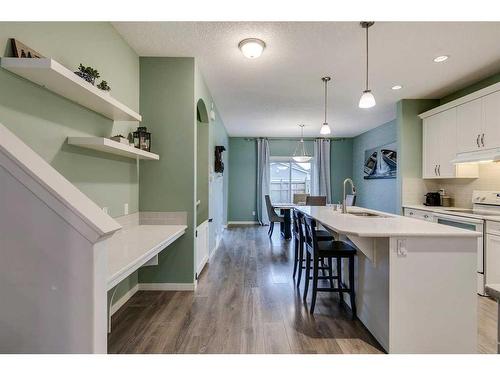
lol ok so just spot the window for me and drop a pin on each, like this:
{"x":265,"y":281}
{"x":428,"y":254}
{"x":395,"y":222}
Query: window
{"x":288,"y":178}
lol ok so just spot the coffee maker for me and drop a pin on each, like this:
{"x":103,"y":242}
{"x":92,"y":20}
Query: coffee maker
{"x":433,"y":199}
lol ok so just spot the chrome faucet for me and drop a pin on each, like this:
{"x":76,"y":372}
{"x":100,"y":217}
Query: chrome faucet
{"x":353,"y":189}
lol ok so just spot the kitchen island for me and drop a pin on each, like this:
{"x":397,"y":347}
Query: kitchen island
{"x":415,"y":280}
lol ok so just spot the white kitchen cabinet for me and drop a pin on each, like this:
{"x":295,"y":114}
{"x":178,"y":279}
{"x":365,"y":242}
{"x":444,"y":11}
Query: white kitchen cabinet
{"x":419,"y":214}
{"x":469,"y":125}
{"x":490,"y":135}
{"x":440,"y":148}
{"x":430,"y":146}
{"x":492,"y":259}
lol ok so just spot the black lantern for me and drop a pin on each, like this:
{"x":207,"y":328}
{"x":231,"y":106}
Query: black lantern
{"x":142,"y":139}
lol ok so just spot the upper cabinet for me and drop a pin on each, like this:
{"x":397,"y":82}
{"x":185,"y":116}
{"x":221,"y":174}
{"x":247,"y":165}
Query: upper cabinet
{"x":440,"y":148}
{"x":460,"y":133}
{"x":469,"y":125}
{"x":490,"y":136}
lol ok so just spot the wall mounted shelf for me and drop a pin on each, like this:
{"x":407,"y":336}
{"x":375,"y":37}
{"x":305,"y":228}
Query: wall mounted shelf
{"x":112,"y":147}
{"x":53,"y":76}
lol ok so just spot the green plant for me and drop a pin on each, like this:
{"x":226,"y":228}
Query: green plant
{"x":89,"y":70}
{"x":103,"y":86}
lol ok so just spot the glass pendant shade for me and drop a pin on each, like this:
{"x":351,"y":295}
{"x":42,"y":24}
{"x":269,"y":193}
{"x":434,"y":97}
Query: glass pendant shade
{"x":367,"y":100}
{"x":300,"y":155}
{"x":325,"y":129}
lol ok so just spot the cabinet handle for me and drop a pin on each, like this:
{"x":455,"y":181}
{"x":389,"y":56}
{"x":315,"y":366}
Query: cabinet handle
{"x":477,"y":141}
{"x":439,"y":169}
{"x":411,"y":213}
{"x":482,"y":139}
{"x":435,"y":170}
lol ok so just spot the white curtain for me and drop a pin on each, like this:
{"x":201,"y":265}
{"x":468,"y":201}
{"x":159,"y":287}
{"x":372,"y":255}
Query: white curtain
{"x":321,"y":169}
{"x":262,"y":179}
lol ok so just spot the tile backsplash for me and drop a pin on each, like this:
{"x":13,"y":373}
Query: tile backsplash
{"x":461,"y":189}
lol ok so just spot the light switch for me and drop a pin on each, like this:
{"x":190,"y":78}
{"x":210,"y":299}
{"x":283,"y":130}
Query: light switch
{"x":125,"y":209}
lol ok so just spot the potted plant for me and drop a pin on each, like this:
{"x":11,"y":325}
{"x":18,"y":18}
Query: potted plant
{"x":88,"y":73}
{"x":104,"y":86}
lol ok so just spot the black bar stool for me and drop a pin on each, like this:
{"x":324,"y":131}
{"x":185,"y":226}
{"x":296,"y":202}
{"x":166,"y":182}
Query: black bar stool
{"x":318,"y":250}
{"x":299,"y":239}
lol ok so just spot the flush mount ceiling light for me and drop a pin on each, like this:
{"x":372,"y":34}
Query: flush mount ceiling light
{"x":325,"y":128}
{"x":441,"y":58}
{"x":300,"y":155}
{"x":397,"y":87}
{"x":367,"y":99}
{"x":252,"y":47}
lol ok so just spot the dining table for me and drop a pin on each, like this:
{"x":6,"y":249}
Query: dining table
{"x":286,"y":211}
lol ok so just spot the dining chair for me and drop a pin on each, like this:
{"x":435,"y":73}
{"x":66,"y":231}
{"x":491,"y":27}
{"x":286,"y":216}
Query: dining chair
{"x":273,"y":216}
{"x":300,"y":198}
{"x":319,"y":251}
{"x":316,"y":200}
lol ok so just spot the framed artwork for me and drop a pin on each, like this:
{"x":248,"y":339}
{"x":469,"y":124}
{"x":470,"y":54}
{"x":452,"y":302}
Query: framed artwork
{"x":381,"y":162}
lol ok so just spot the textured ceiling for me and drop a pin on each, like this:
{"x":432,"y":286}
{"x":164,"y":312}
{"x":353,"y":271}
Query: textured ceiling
{"x":269,"y":96}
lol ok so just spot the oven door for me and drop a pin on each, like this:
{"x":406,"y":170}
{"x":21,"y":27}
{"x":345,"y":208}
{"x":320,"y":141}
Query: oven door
{"x":467,"y":223}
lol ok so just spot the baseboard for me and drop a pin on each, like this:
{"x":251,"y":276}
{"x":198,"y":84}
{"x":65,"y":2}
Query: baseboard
{"x":118,"y":304}
{"x":229,"y":223}
{"x":167,"y":286}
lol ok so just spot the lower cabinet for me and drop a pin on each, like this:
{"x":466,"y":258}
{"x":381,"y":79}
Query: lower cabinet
{"x":419,"y":214}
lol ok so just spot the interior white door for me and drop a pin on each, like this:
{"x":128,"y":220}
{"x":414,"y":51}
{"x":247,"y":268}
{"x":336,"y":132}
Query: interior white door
{"x":447,"y":140}
{"x":430,"y":147}
{"x":201,"y":240}
{"x":491,"y":121}
{"x":469,"y":125}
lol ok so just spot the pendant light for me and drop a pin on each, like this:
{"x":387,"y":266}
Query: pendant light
{"x":367,"y":100}
{"x":325,"y":128}
{"x":300,"y":155}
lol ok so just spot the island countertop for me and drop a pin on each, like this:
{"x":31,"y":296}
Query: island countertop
{"x":386,"y":225}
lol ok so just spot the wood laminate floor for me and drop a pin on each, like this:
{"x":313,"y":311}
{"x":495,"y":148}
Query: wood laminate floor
{"x":246,"y":303}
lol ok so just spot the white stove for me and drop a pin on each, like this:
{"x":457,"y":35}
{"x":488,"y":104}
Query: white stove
{"x":485,"y":205}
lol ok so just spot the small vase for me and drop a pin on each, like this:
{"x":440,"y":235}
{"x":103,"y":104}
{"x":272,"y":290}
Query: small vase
{"x":87,"y":77}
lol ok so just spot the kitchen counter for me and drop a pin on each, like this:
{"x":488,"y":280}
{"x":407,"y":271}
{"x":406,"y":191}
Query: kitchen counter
{"x":409,"y":275}
{"x":386,"y":225}
{"x":452,"y":211}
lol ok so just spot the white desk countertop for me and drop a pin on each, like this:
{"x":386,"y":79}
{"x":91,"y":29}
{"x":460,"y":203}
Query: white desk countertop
{"x":130,"y":248}
{"x":388,"y":225}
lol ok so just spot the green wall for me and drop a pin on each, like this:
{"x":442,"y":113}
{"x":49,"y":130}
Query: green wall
{"x":242,"y":179}
{"x":374,"y":194}
{"x":243,"y":171}
{"x":168,"y":110}
{"x":341,"y":163}
{"x":495,"y":78}
{"x":44,"y":120}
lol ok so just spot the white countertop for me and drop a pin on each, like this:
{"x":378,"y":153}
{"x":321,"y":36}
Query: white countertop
{"x":387,"y":226}
{"x":451,"y":211}
{"x":130,"y":248}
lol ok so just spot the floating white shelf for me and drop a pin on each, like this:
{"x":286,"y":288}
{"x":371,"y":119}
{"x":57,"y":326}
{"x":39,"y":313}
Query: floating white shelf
{"x":112,"y":147}
{"x":56,"y":78}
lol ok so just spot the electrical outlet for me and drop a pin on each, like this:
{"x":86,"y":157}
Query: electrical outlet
{"x":253,"y":213}
{"x":401,"y":245}
{"x":105,"y":210}
{"x":125,"y":209}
